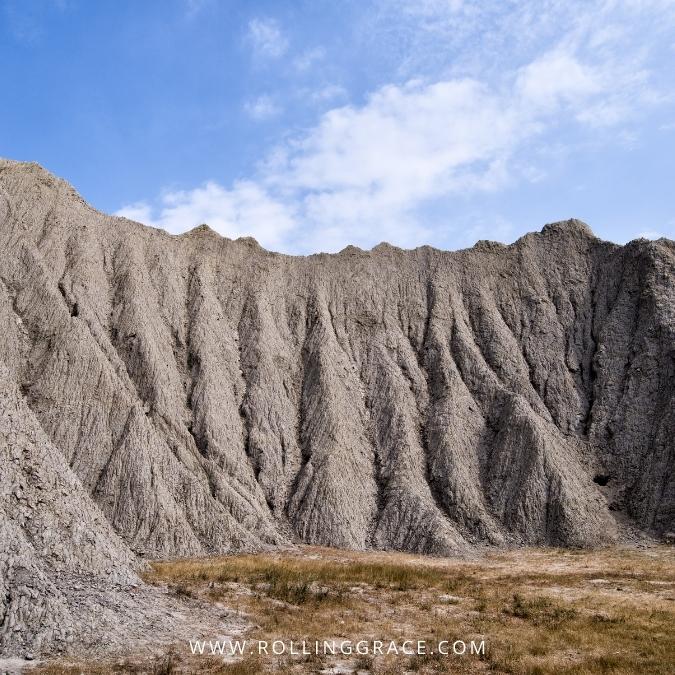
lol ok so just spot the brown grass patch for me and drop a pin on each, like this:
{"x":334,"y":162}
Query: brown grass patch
{"x":539,"y":611}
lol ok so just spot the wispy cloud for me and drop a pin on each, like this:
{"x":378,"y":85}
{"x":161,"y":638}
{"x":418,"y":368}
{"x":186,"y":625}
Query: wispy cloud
{"x":244,"y":210}
{"x":475,"y":36}
{"x":557,"y":78}
{"x":371,"y":172}
{"x":27,"y":21}
{"x":328,"y":93}
{"x":267,"y":38}
{"x":309,"y":58}
{"x":262,"y":108}
{"x":195,"y":7}
{"x":362,"y":172}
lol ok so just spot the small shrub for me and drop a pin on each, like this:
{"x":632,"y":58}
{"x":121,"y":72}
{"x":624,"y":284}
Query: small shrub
{"x":166,"y":665}
{"x":182,"y":591}
{"x":540,"y":611}
{"x":364,"y":662}
{"x":247,"y":666}
{"x":481,"y":604}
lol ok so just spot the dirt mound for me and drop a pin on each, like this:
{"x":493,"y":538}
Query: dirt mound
{"x":209,"y":395}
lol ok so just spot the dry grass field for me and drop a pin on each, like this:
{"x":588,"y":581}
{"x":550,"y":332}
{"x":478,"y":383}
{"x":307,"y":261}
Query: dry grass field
{"x":538,"y":611}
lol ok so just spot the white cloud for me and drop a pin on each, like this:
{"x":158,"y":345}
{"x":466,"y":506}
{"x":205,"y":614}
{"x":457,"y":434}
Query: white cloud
{"x":360,"y":175}
{"x":557,"y":78}
{"x":244,"y":210}
{"x":405,"y":139}
{"x":267,"y":38}
{"x":262,"y":108}
{"x":371,"y":172}
{"x":139,"y":211}
{"x":365,"y":173}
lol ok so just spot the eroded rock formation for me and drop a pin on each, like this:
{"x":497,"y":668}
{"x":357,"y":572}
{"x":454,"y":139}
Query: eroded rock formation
{"x":197,"y":394}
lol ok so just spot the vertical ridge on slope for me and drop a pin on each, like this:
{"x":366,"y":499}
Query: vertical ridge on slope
{"x":335,"y":495}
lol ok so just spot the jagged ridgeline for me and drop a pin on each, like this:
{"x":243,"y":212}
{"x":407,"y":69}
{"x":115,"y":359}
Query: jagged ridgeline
{"x":209,"y":395}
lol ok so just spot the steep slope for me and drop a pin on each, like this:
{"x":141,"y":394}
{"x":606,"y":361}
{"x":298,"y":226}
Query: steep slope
{"x":213,"y":396}
{"x":67,"y":580}
{"x":50,"y":533}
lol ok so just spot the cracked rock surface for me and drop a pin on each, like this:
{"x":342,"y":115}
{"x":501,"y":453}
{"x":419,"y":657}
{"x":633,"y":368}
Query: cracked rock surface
{"x":180,"y":395}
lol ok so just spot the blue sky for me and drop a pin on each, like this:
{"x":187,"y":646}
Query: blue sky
{"x":313,"y":125}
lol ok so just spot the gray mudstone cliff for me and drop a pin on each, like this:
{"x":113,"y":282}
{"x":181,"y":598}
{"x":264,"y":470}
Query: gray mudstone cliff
{"x":180,"y":395}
